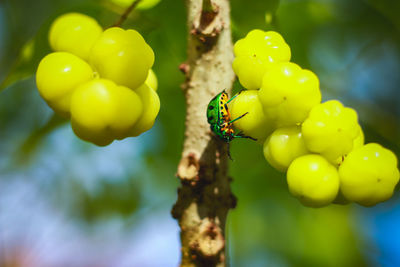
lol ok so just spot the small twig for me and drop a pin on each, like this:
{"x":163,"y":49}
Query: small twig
{"x":125,"y":15}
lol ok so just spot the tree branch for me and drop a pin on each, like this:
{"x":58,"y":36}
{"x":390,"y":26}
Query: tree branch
{"x":204,"y":197}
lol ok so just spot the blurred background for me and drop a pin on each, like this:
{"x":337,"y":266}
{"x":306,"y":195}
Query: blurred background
{"x":65,"y":202}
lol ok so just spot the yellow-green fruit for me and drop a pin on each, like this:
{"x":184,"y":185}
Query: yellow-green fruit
{"x":250,"y":71}
{"x":369,"y":174}
{"x":122,"y":56}
{"x":330,"y":130}
{"x":151,"y":107}
{"x":357,"y":143}
{"x":283,"y":146}
{"x":255,"y":123}
{"x":254,"y":55}
{"x":288,"y":93}
{"x":151,"y":80}
{"x":75,"y":33}
{"x":360,"y":139}
{"x":269,"y":45}
{"x":102,"y":111}
{"x":313,"y":180}
{"x":58,"y":75}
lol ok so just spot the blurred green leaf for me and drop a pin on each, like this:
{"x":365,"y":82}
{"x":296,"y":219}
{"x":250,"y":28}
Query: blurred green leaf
{"x":35,"y":138}
{"x":246,"y":17}
{"x":389,"y":9}
{"x":26,"y":63}
{"x":121,"y":198}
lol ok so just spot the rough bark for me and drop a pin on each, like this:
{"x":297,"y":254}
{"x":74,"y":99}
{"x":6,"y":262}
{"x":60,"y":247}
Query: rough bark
{"x":204,"y":197}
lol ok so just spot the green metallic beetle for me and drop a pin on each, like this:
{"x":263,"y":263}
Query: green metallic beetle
{"x":220,"y":120}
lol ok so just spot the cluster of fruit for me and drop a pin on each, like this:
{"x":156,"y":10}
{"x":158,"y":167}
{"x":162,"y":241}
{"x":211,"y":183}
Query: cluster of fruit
{"x":320,"y":145}
{"x":102,"y":80}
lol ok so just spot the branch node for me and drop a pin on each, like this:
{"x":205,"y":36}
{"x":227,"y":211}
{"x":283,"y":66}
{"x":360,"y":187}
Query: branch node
{"x":188,"y":168}
{"x":208,"y":24}
{"x":184,"y":68}
{"x":211,"y":241}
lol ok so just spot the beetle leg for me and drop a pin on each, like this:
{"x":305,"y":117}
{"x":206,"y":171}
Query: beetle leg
{"x":232,"y":121}
{"x":240,"y":135}
{"x":233,"y":97}
{"x":229,"y":151}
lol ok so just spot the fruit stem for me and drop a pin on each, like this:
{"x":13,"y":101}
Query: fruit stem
{"x":126,"y":13}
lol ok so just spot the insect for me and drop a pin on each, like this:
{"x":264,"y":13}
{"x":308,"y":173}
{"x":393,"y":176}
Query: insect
{"x":220,"y":121}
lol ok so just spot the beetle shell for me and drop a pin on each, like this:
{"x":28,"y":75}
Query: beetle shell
{"x":218,"y":117}
{"x":217,"y":110}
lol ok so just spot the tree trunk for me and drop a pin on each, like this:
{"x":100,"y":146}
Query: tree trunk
{"x":204,"y":197}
